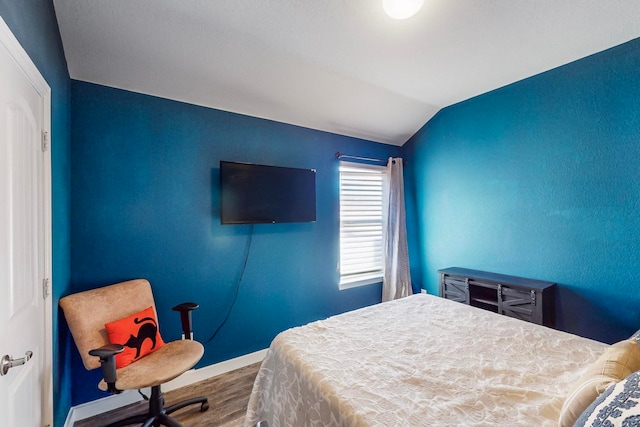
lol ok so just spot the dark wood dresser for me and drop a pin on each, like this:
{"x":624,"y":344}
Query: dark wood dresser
{"x":526,"y":299}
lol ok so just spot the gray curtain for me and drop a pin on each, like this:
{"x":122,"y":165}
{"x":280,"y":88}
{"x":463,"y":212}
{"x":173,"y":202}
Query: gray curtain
{"x":397,"y":280}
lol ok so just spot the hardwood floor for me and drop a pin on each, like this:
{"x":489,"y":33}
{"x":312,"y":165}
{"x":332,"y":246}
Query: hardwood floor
{"x":228,"y":396}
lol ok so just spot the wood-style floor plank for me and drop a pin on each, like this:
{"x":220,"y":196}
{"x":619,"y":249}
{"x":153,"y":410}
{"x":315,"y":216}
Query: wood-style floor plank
{"x":228,"y":396}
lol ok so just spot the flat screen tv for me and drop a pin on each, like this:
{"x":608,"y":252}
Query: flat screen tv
{"x":261,"y":194}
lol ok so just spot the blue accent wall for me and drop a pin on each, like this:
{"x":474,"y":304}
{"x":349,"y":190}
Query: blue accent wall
{"x":34,"y":24}
{"x":540,"y":179}
{"x":145,"y":203}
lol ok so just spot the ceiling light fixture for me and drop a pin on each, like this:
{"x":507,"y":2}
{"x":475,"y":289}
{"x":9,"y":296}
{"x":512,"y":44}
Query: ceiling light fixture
{"x":402,"y":9}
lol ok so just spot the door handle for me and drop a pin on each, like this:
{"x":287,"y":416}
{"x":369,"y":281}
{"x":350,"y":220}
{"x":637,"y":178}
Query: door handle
{"x":7,"y":362}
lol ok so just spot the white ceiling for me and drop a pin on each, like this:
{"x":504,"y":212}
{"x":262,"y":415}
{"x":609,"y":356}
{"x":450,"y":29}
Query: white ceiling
{"x":340,"y":66}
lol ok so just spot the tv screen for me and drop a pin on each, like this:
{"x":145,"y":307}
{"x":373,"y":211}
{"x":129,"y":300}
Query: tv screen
{"x":261,"y":194}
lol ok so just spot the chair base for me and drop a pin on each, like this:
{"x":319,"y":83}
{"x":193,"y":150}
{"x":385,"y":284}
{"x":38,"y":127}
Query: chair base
{"x":158,"y":415}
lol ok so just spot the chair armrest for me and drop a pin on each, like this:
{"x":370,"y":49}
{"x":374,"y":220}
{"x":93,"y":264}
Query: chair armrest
{"x":185,"y":310}
{"x":107,"y":355}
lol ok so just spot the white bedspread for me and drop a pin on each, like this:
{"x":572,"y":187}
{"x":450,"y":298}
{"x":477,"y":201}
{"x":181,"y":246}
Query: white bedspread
{"x":418,"y":361}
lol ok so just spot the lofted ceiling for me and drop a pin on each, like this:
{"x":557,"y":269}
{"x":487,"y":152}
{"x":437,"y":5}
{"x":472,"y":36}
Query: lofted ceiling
{"x":340,"y":66}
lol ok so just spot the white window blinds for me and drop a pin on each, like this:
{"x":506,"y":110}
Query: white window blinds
{"x":361,"y":224}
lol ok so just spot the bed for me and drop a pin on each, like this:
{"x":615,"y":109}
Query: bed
{"x":420,"y":360}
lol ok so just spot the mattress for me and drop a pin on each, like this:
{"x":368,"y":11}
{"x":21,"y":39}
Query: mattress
{"x":418,"y":361}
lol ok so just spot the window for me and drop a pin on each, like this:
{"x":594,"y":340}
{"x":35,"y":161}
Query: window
{"x":361,"y":224}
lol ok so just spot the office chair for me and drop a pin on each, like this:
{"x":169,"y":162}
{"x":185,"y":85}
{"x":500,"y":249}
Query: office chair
{"x":94,"y":314}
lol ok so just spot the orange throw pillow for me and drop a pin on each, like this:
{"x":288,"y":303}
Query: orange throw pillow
{"x":138,"y":333}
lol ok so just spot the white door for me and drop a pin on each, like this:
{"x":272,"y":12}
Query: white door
{"x":24,"y":243}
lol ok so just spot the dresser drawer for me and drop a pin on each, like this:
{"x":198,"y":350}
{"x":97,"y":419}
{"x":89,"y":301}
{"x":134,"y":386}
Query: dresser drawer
{"x":455,"y":289}
{"x":518,"y":303}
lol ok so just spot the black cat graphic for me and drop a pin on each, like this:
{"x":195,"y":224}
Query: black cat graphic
{"x":146,"y":331}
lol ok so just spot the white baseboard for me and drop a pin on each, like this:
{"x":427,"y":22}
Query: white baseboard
{"x":115,"y":401}
{"x":195,"y":375}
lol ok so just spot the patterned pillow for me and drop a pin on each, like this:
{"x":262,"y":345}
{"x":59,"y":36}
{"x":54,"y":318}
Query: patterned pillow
{"x":138,"y":334}
{"x":617,"y":362}
{"x":619,"y":405}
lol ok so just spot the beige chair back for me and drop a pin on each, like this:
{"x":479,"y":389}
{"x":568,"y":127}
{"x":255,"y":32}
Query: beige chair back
{"x":87,"y":312}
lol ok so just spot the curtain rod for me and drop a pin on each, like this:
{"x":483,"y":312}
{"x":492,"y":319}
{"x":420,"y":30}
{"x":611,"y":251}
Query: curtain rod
{"x":341,"y":156}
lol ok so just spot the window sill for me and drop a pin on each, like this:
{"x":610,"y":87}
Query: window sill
{"x":357,"y":283}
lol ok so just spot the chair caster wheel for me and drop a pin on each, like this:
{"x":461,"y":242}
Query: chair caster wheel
{"x":204,"y":406}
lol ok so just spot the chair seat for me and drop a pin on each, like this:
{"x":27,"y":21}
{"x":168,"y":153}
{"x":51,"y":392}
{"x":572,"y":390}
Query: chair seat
{"x":173,"y":358}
